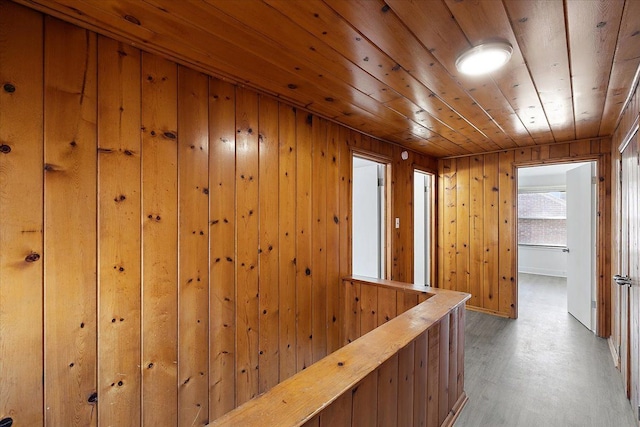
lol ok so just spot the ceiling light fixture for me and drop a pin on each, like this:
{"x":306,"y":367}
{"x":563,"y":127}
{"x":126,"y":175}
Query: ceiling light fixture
{"x":484,"y":58}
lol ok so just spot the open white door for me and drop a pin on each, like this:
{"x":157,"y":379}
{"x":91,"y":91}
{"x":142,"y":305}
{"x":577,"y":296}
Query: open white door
{"x":580,"y":242}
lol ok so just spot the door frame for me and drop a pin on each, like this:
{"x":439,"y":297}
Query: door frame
{"x":603,"y":229}
{"x":433,"y":243}
{"x":386,"y":161}
{"x":622,"y":329}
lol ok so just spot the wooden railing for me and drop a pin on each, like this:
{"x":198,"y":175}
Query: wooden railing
{"x":409,"y":371}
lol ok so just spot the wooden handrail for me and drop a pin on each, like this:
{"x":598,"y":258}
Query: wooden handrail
{"x":304,"y":395}
{"x":392,"y":284}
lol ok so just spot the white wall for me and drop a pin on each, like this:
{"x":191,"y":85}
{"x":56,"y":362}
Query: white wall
{"x":366,"y":255}
{"x":542,"y":260}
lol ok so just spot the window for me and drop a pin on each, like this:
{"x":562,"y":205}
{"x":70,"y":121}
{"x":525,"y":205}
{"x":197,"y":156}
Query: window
{"x":542,"y":218}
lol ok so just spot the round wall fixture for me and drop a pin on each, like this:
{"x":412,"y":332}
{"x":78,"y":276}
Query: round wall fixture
{"x":484,"y":58}
{"x":404,"y":155}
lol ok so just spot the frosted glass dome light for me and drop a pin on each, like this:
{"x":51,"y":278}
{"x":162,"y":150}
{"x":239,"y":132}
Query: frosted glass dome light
{"x":484,"y":58}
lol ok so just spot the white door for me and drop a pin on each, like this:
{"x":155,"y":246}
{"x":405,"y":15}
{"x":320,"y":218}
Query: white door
{"x":580,"y":243}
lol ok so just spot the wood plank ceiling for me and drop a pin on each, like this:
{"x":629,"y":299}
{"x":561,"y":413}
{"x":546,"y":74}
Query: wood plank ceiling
{"x":388,"y":68}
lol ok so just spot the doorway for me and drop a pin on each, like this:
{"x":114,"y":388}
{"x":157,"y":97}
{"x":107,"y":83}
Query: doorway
{"x":422,"y":227}
{"x":557,"y":231}
{"x":369,"y":207}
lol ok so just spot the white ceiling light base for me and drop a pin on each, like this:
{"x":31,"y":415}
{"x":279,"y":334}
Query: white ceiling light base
{"x":484,"y":58}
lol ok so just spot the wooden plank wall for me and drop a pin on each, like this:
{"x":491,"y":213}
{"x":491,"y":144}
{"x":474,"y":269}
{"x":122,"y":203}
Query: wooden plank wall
{"x":172,"y":242}
{"x":421,"y":385}
{"x":407,"y":372}
{"x":477,"y":229}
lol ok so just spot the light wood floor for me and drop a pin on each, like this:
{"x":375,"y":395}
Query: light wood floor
{"x":543,"y":369}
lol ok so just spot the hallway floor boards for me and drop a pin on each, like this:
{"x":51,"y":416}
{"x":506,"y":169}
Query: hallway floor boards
{"x":544,"y":369}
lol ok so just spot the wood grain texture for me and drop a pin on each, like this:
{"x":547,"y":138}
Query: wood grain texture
{"x":269,"y":247}
{"x":304,"y":252}
{"x":222,"y":248}
{"x":490,"y":225}
{"x":333,"y":283}
{"x":247,"y":288}
{"x":463,"y":198}
{"x":388,"y":392}
{"x":159,"y":241}
{"x":287,"y":239}
{"x":70,"y":259}
{"x":119,"y":259}
{"x":433,"y":375}
{"x":319,"y":242}
{"x":594,"y":24}
{"x":491,"y":236}
{"x":134,"y":165}
{"x":449,"y":202}
{"x":507,"y":293}
{"x":365,"y":397}
{"x":476,"y":230}
{"x":193,"y":241}
{"x":21,"y":227}
{"x":388,"y":69}
{"x":421,"y":360}
{"x":339,"y":413}
{"x":338,"y":373}
{"x":406,"y":385}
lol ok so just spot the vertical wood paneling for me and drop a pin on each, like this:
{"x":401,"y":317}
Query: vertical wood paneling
{"x":402,"y":208}
{"x":421,"y":360}
{"x":388,"y":393}
{"x":368,"y":309}
{"x":443,"y":374}
{"x":462,"y":224}
{"x":344,"y":219}
{"x":269,"y":247}
{"x":193,"y":274}
{"x":287,"y":241}
{"x":449,"y":265}
{"x":319,"y":241}
{"x":476,"y":230}
{"x":208,"y":256}
{"x":70,"y":233}
{"x":339,"y":413}
{"x":406,"y":384}
{"x":313,"y":422}
{"x":507,"y":269}
{"x":490,"y":213}
{"x":352,"y":315}
{"x":433,"y":375}
{"x":460,"y":337}
{"x":160,"y":241}
{"x":21,"y":214}
{"x":334,"y":284}
{"x":453,"y":358}
{"x":247,"y":162}
{"x":222,"y":220}
{"x":490,"y":221}
{"x":119,"y":201}
{"x":365,"y":399}
{"x":387,"y":305}
{"x":304,"y":164}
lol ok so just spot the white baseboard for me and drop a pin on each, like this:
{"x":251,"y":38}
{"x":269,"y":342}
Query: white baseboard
{"x":542,"y":271}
